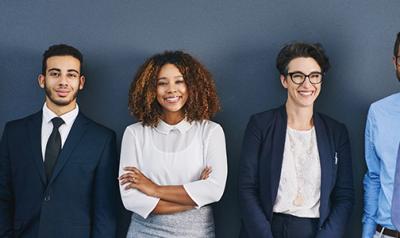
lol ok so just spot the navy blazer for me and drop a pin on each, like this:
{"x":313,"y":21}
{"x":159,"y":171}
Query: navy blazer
{"x":260,"y":170}
{"x":81,"y":197}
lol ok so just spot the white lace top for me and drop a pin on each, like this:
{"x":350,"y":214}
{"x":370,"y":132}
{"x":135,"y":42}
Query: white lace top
{"x":300,"y":183}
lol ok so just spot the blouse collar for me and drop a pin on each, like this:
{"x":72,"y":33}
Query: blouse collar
{"x":165,"y":128}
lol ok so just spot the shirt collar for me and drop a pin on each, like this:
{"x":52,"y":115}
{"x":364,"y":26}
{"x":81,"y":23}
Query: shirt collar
{"x":165,"y":128}
{"x":68,"y":117}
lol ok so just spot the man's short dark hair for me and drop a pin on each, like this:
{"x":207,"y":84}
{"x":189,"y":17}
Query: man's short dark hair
{"x":301,"y":49}
{"x":396,"y":45}
{"x":61,"y":50}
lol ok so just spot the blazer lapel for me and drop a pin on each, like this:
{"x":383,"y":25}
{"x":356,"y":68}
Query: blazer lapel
{"x":325,"y":157}
{"x":78,"y":129}
{"x":278,"y":145}
{"x":35,"y":137}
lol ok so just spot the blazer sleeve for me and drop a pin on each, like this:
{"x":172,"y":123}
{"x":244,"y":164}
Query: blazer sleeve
{"x":253,"y":217}
{"x":6,"y":193}
{"x":106,"y":192}
{"x":342,"y":195}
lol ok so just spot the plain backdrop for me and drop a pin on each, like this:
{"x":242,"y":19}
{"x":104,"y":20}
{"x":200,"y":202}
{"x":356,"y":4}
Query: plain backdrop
{"x":236,"y":40}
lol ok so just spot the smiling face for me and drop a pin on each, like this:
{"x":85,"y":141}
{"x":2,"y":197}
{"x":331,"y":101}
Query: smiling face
{"x":301,"y":95}
{"x":61,"y":82}
{"x":172,"y":93}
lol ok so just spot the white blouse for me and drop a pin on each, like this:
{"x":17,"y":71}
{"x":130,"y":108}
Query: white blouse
{"x":175,"y":155}
{"x":300,"y":183}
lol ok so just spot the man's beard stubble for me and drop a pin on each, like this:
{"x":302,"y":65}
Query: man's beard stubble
{"x":59,"y":102}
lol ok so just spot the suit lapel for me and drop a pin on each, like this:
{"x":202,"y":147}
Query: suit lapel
{"x":78,"y":129}
{"x":278,"y":145}
{"x":325,"y":157}
{"x":35,"y":137}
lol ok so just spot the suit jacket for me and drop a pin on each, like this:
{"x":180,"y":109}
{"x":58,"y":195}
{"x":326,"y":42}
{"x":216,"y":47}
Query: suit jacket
{"x":260,"y":170}
{"x":79,"y":200}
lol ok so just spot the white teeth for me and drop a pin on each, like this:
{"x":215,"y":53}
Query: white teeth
{"x":172,"y":99}
{"x":306,"y":93}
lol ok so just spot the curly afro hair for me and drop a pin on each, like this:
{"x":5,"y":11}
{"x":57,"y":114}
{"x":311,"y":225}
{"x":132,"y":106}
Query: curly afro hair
{"x":202,"y":103}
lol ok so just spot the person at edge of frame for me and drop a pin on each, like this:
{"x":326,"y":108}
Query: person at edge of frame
{"x":381,"y":218}
{"x":58,"y":168}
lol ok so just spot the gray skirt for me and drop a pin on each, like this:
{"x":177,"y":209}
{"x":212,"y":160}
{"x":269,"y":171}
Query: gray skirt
{"x":195,"y":223}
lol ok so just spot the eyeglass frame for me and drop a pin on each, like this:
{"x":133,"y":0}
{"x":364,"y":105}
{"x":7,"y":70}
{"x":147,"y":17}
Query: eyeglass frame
{"x":305,"y":76}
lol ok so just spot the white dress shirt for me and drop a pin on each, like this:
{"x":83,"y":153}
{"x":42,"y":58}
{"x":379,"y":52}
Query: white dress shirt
{"x":300,"y":184}
{"x":64,"y":129}
{"x":175,"y":155}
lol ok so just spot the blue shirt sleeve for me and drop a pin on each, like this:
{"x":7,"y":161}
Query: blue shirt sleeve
{"x":371,"y":179}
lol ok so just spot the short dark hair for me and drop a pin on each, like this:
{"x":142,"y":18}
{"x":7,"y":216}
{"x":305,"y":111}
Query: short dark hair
{"x":301,"y":49}
{"x":396,"y":45}
{"x":61,"y":50}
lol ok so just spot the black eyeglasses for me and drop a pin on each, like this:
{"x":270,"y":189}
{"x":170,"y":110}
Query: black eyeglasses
{"x":299,"y":77}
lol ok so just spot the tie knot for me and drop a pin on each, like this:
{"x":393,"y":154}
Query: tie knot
{"x":57,"y":122}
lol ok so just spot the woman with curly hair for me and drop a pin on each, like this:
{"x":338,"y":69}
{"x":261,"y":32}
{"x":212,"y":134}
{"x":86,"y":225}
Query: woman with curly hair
{"x":173,"y":161}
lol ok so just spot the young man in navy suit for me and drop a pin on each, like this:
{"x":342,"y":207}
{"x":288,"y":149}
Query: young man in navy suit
{"x":58,"y":169}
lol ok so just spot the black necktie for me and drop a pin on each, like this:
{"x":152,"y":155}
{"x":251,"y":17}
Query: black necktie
{"x":53,"y":147}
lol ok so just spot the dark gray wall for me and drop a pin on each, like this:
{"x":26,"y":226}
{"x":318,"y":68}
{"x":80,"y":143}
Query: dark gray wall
{"x":238,"y":42}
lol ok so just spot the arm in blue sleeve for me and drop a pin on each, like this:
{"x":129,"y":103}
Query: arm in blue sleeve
{"x":371,"y":180}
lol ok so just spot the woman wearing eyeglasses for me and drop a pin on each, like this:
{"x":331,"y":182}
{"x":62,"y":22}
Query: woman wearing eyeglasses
{"x":296,"y":173}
